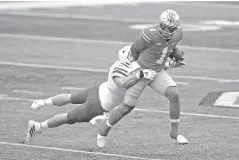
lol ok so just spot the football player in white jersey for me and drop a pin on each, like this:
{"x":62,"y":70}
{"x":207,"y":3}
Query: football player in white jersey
{"x":95,"y":101}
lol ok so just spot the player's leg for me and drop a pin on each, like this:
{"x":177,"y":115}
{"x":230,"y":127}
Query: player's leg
{"x":82,"y":113}
{"x":174,"y":109}
{"x":61,"y":99}
{"x":117,"y":114}
{"x":76,"y":114}
{"x":165,"y":85}
{"x":36,"y":127}
{"x":131,"y":96}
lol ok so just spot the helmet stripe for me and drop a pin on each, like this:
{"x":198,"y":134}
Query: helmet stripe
{"x":171,"y":17}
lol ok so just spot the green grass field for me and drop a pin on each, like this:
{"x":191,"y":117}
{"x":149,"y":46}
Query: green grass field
{"x":84,"y":45}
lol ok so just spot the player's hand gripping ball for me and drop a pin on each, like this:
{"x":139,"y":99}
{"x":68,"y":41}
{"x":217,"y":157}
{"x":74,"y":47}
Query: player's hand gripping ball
{"x":177,"y":54}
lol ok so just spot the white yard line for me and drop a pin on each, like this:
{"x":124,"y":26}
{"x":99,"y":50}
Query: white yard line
{"x":76,"y":151}
{"x":3,"y":95}
{"x":75,"y":16}
{"x":65,"y":4}
{"x":31,"y":65}
{"x":186,"y":26}
{"x":80,"y":40}
{"x":25,"y":91}
{"x":207,"y":5}
{"x":105,"y":71}
{"x":189,"y":114}
{"x":72,"y":88}
{"x":15,"y":98}
{"x":137,"y":109}
{"x":61,"y":39}
{"x":182,"y":83}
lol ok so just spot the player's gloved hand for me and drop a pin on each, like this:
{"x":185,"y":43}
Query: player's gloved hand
{"x":147,"y":74}
{"x":175,"y":64}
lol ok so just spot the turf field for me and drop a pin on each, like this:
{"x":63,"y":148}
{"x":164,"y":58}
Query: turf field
{"x":45,"y":52}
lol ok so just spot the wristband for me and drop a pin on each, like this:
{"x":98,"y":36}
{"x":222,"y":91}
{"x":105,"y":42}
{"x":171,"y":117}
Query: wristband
{"x":139,"y":75}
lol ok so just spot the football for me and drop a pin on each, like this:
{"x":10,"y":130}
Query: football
{"x":177,"y":54}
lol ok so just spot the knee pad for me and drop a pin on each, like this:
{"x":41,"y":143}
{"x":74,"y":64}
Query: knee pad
{"x":172,"y":93}
{"x":125,"y":109}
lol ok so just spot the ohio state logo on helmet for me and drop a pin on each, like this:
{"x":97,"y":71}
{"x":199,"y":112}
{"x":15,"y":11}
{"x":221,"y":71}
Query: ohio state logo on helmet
{"x":171,"y":17}
{"x":169,"y":22}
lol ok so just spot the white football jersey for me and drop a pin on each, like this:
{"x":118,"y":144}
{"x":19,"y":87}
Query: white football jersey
{"x":110,"y":94}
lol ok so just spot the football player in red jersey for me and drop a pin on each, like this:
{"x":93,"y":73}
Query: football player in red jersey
{"x":151,"y":51}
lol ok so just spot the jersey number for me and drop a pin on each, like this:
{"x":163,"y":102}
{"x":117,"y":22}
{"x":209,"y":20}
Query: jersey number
{"x":161,"y":59}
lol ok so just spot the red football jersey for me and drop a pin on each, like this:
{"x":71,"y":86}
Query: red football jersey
{"x":151,"y":50}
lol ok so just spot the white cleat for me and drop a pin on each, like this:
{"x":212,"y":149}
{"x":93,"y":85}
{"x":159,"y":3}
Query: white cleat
{"x":96,"y":120}
{"x":33,"y":129}
{"x":38,"y":104}
{"x":181,"y":139}
{"x":101,"y":141}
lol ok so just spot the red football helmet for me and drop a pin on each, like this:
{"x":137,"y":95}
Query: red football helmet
{"x":169,"y":22}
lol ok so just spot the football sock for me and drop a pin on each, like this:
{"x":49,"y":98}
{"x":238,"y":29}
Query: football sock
{"x":44,"y":124}
{"x":117,"y":114}
{"x":174,"y":115}
{"x":174,"y":129}
{"x":104,"y":128}
{"x":48,"y":102}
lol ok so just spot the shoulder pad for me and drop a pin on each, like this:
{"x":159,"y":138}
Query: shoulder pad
{"x":148,"y":34}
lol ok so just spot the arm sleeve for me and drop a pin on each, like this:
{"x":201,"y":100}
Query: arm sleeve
{"x":120,"y":70}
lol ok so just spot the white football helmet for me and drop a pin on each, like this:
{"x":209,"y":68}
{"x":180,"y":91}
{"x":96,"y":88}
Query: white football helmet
{"x":169,"y":22}
{"x":124,"y":55}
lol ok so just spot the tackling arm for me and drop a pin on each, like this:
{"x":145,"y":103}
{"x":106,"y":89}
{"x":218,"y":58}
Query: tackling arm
{"x":126,"y":82}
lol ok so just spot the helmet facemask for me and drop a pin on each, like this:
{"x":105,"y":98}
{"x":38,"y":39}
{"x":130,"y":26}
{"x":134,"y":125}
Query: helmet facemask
{"x":165,"y":31}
